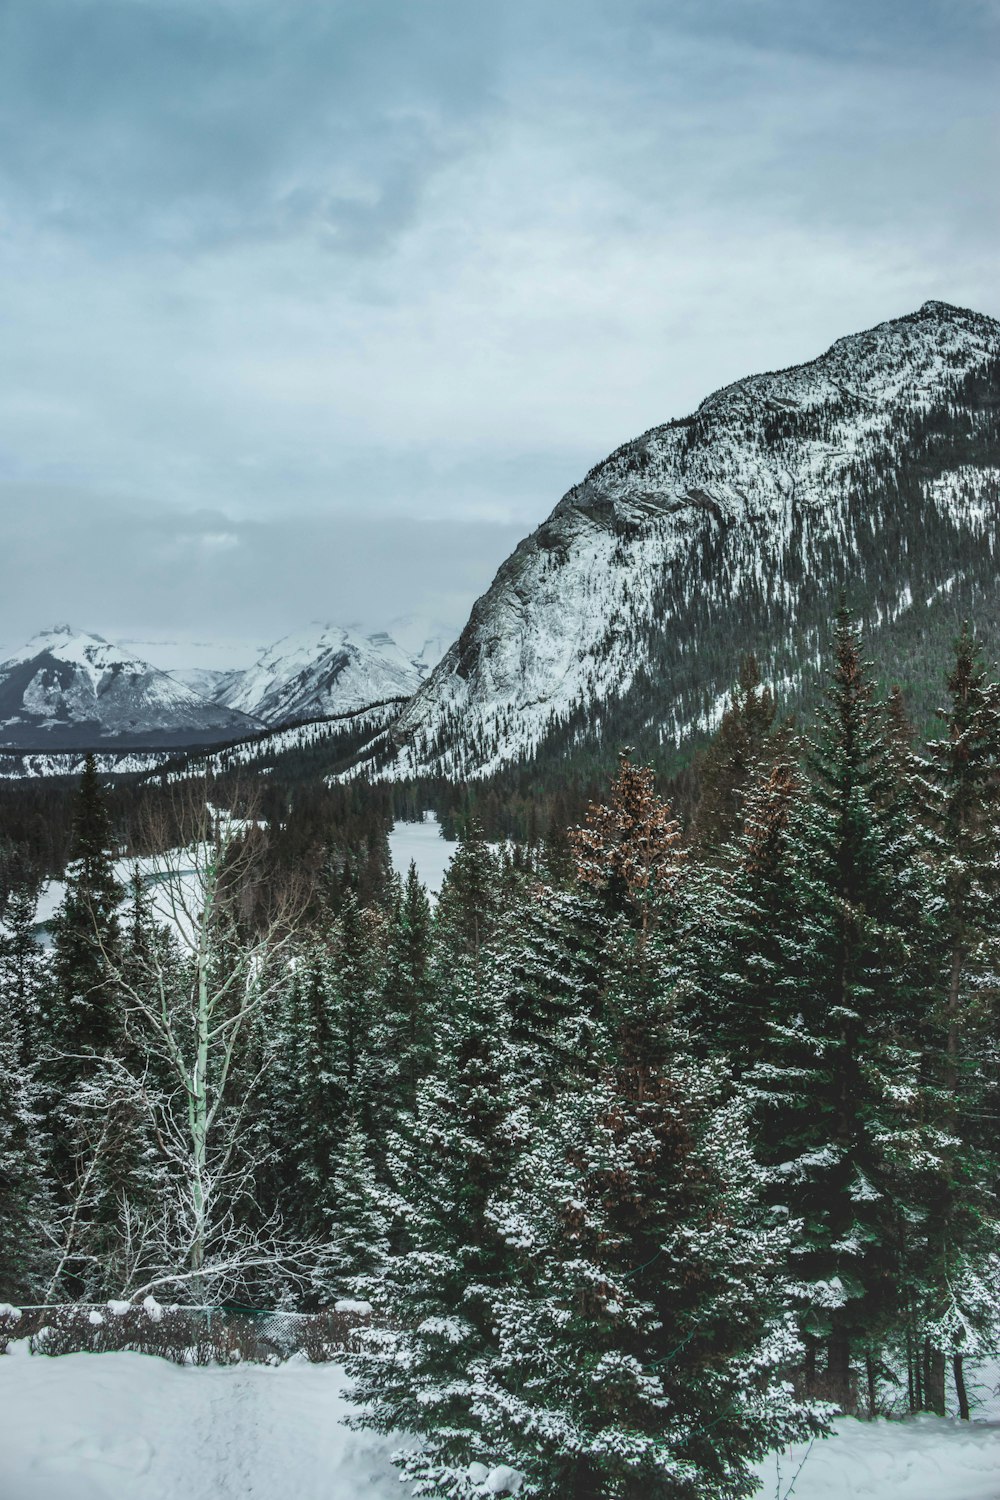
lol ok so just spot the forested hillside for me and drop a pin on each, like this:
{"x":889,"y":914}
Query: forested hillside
{"x":873,"y":469}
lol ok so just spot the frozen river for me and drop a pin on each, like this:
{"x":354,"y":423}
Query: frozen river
{"x":422,"y":843}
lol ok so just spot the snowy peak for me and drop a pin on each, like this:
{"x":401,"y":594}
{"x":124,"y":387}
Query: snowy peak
{"x":66,"y":688}
{"x":873,"y":467}
{"x":329,"y":670}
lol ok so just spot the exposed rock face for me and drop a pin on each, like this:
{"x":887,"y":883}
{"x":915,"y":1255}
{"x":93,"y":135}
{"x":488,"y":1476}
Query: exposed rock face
{"x":874,"y":469}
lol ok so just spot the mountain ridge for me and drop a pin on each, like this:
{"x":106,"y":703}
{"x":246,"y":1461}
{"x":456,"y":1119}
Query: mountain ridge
{"x":67,"y":688}
{"x":873,"y":466}
{"x":331,"y":669}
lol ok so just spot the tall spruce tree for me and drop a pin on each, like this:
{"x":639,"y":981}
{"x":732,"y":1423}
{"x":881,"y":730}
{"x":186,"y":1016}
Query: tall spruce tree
{"x":22,"y":968}
{"x":640,"y":1329}
{"x":838,"y":1085}
{"x":356,"y":1242}
{"x":469,"y":907}
{"x":25,"y":1203}
{"x":956,"y":1269}
{"x":404,"y":1028}
{"x":747,"y":911}
{"x":432,"y":1298}
{"x":85,"y":1008}
{"x":743,"y":742}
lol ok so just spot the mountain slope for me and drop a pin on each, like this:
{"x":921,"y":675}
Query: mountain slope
{"x":66,"y":689}
{"x":329,"y":670}
{"x":874,"y":468}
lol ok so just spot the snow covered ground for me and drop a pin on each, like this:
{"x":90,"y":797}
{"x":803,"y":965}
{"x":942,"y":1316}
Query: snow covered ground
{"x":931,"y":1458}
{"x":421,"y":842}
{"x":133,"y":1427}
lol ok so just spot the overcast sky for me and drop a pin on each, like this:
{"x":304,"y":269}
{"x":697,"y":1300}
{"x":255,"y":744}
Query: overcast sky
{"x":309,"y":309}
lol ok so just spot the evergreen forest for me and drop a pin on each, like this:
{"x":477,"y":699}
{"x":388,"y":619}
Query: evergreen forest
{"x":665,"y":1132}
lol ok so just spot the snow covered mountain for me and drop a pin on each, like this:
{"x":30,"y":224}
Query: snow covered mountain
{"x":874,"y":469}
{"x":66,"y":688}
{"x":332,"y":670}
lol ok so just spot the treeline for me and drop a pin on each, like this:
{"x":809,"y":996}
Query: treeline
{"x":643,"y":1145}
{"x":332,"y":835}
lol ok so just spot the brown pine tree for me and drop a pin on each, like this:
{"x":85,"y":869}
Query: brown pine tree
{"x":630,"y":848}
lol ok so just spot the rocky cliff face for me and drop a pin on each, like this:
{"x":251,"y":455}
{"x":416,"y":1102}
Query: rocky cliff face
{"x":874,"y":469}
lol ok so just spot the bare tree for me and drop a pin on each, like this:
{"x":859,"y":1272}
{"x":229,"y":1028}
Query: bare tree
{"x":196,"y":993}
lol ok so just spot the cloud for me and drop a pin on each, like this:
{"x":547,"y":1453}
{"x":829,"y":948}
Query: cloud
{"x":195,"y":574}
{"x":191,"y":125}
{"x":336,"y":270}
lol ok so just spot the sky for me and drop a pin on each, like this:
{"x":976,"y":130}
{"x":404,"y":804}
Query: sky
{"x":309,"y":311}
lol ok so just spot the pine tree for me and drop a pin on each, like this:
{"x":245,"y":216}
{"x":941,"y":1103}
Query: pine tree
{"x":747,"y":911}
{"x":630,"y":848}
{"x":958,"y":798}
{"x":956,"y":1263}
{"x":742,"y":744}
{"x":548,"y":970}
{"x":469,"y":907}
{"x":318,"y":1096}
{"x":25,"y":1206}
{"x":356,"y":1243}
{"x":404,"y":1030}
{"x":432,"y":1298}
{"x":640,"y":1332}
{"x":22,"y":968}
{"x":111,"y":1202}
{"x":85,"y":1014}
{"x":838,"y":1086}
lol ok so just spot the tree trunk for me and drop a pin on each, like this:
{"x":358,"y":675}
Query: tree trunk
{"x":958,"y":1371}
{"x":911,"y":1373}
{"x":838,"y":1370}
{"x":871,"y":1385}
{"x":933,"y":1379}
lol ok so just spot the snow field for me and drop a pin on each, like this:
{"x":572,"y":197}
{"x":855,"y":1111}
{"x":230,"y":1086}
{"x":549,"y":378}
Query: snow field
{"x":929,"y":1458}
{"x":134,"y":1427}
{"x":422,"y":843}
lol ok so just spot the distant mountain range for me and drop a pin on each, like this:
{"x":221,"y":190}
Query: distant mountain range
{"x":67,"y":689}
{"x":874,"y":469}
{"x":331,"y":670}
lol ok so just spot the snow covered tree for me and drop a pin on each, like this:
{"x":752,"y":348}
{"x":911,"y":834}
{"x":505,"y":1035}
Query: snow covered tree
{"x":630,"y":848}
{"x":640,"y":1333}
{"x":747,"y":910}
{"x":956,"y":1268}
{"x":105,"y":1228}
{"x":958,"y":798}
{"x":404,"y":1028}
{"x":84,"y":1014}
{"x":737,"y":753}
{"x":432,"y":1298}
{"x":355,"y":975}
{"x":838,"y":1085}
{"x":469,"y":907}
{"x":25,"y":1206}
{"x":309,"y":1062}
{"x":22,"y":967}
{"x":548,"y":969}
{"x":356,"y":1243}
